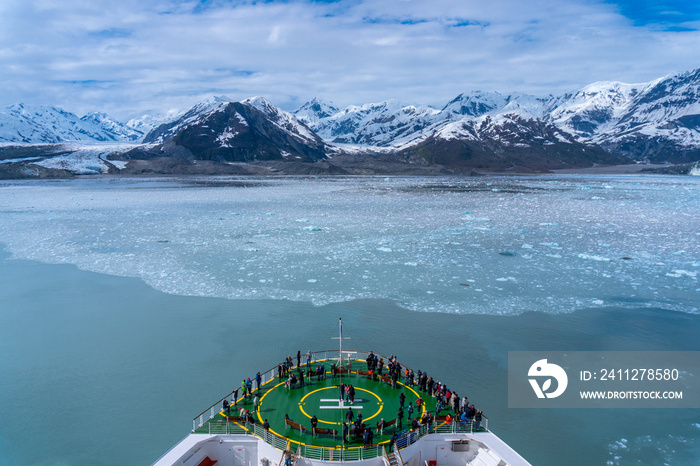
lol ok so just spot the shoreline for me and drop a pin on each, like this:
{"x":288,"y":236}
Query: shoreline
{"x":636,"y":168}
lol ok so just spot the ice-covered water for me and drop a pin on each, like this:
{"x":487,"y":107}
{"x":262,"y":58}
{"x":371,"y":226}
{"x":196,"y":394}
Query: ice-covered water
{"x":495,"y":245}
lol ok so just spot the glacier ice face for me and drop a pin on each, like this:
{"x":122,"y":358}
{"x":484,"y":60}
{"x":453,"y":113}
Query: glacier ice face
{"x":428,"y":244}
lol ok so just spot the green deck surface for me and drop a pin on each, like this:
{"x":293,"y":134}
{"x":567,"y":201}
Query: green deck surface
{"x":374,"y":399}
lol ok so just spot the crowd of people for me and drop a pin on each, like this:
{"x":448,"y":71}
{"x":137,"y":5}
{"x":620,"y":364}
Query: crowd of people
{"x":458,"y":408}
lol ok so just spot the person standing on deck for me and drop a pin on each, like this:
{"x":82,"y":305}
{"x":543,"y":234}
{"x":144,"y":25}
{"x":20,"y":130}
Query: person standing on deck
{"x":394,"y":439}
{"x":244,"y":387}
{"x":402,"y":399}
{"x":279,"y":370}
{"x":299,"y":358}
{"x":400,"y":417}
{"x":258,"y":379}
{"x":235,"y":396}
{"x":349,"y":415}
{"x":341,"y":387}
{"x":345,"y":432}
{"x":256,"y":400}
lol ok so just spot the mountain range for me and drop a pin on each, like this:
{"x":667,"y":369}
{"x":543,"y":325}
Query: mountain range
{"x":602,"y":123}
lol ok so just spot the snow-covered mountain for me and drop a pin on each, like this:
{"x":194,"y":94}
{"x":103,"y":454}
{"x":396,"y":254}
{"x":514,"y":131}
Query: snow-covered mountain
{"x":253,"y":129}
{"x":659,"y":120}
{"x":314,"y":110}
{"x":29,"y":124}
{"x":120,"y":131}
{"x":602,"y":123}
{"x":147,"y":122}
{"x":475,"y":104}
{"x":383,"y":124}
{"x":593,"y":110}
{"x":169,"y":127}
{"x":389,"y":125}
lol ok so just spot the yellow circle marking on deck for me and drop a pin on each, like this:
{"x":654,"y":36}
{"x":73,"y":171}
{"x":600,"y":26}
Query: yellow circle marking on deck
{"x":260,"y":402}
{"x":417,"y":396}
{"x":301,"y":403}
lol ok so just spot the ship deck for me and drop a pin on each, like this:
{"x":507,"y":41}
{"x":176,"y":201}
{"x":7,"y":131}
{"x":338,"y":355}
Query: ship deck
{"x":319,"y":397}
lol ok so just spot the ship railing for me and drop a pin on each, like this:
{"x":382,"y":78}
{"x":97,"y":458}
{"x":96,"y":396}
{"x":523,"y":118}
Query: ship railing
{"x":270,"y":438}
{"x":223,"y":427}
{"x":456,"y":427}
{"x":397,"y":455}
{"x":412,"y":436}
{"x":335,"y":453}
{"x":385,"y":456}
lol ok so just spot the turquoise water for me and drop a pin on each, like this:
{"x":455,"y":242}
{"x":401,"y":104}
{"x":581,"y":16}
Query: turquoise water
{"x":97,"y":368}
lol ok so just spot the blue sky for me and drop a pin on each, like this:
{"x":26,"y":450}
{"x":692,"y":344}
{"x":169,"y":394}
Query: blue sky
{"x":132,"y":57}
{"x":667,"y":14}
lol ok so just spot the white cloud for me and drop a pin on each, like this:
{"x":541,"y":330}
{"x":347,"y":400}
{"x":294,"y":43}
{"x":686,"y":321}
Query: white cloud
{"x":133,"y":56}
{"x":274,"y":36}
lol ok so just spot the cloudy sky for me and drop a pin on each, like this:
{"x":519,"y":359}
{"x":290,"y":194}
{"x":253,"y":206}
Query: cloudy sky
{"x":129,"y":57}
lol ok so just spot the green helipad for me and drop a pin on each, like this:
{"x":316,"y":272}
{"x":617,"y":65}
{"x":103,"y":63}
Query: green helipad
{"x":320,"y":396}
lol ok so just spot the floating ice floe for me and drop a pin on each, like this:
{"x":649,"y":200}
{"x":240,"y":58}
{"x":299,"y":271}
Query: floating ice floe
{"x":506,"y":279}
{"x":471,"y":218}
{"x":682,"y":273}
{"x":591,"y":257}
